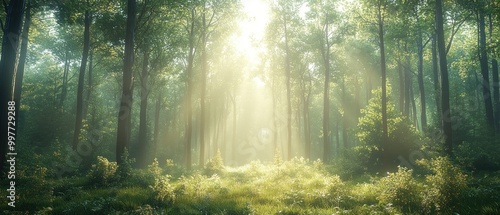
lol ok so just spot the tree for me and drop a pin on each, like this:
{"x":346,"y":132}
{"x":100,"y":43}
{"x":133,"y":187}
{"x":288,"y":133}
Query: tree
{"x":10,"y":44}
{"x":124,"y":116}
{"x":380,"y":17}
{"x":445,"y":89}
{"x":81,"y":78}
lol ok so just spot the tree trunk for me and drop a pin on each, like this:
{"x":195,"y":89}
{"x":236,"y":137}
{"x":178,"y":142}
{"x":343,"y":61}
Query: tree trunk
{"x":496,"y":83}
{"x":64,"y":90}
{"x":483,"y":59}
{"x":436,"y":79}
{"x":203,"y":80}
{"x":10,"y":44}
{"x":407,"y":90}
{"x":401,"y":87}
{"x":189,"y":120}
{"x":143,"y":116}
{"x":445,"y":89}
{"x":89,"y":87}
{"x":81,"y":79}
{"x":22,"y":58}
{"x":288,"y":92}
{"x":326,"y":97}
{"x":125,"y":114}
{"x":157,"y":125}
{"x":385,"y":161}
{"x":420,"y":68}
{"x":344,"y":116}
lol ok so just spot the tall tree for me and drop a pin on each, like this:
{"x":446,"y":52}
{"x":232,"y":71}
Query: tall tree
{"x":124,"y":115}
{"x":483,"y":59}
{"x":445,"y":88}
{"x":22,"y":56}
{"x":10,"y":44}
{"x":380,"y":17}
{"x":81,"y":78}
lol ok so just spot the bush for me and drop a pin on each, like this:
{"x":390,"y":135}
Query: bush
{"x":103,"y":171}
{"x":401,"y":190}
{"x":163,"y":190}
{"x":124,"y":170}
{"x":215,"y":165}
{"x":402,"y":136}
{"x":445,"y":188}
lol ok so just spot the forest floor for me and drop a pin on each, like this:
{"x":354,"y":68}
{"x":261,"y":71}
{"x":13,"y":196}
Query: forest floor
{"x":291,"y":187}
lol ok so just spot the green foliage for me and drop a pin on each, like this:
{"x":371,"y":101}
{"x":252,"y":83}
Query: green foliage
{"x":480,"y":155}
{"x":124,"y":170}
{"x":103,"y":172}
{"x":401,"y":190}
{"x":215,"y":165}
{"x":402,"y":136}
{"x":163,"y":191}
{"x":445,"y":188}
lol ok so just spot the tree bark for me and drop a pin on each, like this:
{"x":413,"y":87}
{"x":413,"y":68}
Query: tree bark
{"x":157,"y":125}
{"x":288,"y":91}
{"x":22,"y":58}
{"x":436,"y":79}
{"x":420,"y":76}
{"x":143,"y":121}
{"x":445,"y":89}
{"x":10,"y":44}
{"x":189,"y":120}
{"x":326,"y":97}
{"x":496,"y":83}
{"x":483,"y":59}
{"x":124,"y":116}
{"x":385,"y":161}
{"x":81,"y":79}
{"x":203,"y":80}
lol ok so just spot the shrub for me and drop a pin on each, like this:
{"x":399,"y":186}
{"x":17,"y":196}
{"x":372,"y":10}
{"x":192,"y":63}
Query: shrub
{"x":215,"y":165}
{"x":103,"y":171}
{"x":124,"y":170}
{"x":402,"y":136}
{"x":163,"y":191}
{"x":154,"y":169}
{"x":400,"y":189}
{"x":445,"y":188}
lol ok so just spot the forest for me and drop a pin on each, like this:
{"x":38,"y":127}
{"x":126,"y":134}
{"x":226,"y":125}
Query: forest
{"x":239,"y":107}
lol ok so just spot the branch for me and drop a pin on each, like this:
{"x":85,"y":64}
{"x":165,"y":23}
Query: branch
{"x":455,"y":30}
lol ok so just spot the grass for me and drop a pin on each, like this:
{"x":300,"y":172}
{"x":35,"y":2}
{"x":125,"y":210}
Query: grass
{"x":292,"y":187}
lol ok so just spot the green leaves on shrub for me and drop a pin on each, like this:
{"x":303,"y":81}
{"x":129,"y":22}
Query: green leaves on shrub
{"x":103,"y":171}
{"x":401,"y":190}
{"x":445,"y":188}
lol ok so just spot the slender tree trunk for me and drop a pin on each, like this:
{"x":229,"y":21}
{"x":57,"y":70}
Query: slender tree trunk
{"x":445,"y":89}
{"x":421,"y":87}
{"x":407,"y":83}
{"x":143,"y":121}
{"x":203,"y":80}
{"x":125,"y":114}
{"x":326,"y":97}
{"x":157,"y":125}
{"x":344,"y":116}
{"x":402,"y":88}
{"x":436,"y":79}
{"x":81,"y":79}
{"x":385,"y":158}
{"x":496,"y":83}
{"x":22,"y":58}
{"x":89,"y":87}
{"x":189,"y":120}
{"x":10,"y":44}
{"x":483,"y":59}
{"x":64,"y":90}
{"x":288,"y":91}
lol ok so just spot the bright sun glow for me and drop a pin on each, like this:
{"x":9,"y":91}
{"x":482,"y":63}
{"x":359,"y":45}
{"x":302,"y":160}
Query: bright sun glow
{"x":252,"y":29}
